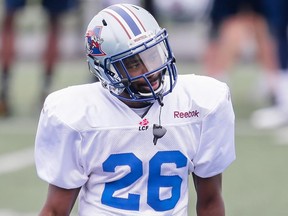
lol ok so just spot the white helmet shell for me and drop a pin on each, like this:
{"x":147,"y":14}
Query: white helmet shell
{"x":120,"y":31}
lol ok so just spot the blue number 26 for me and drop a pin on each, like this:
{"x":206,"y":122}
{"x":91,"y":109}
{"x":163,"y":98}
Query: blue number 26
{"x":155,"y":180}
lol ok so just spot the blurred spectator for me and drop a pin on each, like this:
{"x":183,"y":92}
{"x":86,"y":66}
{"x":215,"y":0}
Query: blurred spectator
{"x":277,"y":115}
{"x":54,"y":10}
{"x":181,"y":11}
{"x":149,"y":5}
{"x":234,"y":25}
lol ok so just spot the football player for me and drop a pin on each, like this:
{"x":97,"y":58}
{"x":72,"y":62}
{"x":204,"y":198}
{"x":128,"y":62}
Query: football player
{"x":276,"y":116}
{"x":127,"y":145}
{"x":234,"y":24}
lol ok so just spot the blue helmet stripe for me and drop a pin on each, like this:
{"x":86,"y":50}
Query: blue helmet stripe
{"x":130,"y":22}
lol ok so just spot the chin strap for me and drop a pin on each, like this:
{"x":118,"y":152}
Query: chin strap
{"x":160,"y":101}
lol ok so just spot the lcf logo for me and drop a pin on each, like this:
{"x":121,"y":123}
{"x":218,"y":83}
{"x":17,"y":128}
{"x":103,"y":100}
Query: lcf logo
{"x":143,"y":125}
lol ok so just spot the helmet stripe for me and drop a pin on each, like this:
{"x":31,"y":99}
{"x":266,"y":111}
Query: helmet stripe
{"x":137,"y":18}
{"x":132,"y":22}
{"x":110,"y":12}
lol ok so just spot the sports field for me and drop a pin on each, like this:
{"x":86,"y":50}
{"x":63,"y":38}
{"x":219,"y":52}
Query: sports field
{"x":255,"y":184}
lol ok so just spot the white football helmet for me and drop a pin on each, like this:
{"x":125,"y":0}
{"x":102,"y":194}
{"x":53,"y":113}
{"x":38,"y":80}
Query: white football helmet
{"x":120,"y":34}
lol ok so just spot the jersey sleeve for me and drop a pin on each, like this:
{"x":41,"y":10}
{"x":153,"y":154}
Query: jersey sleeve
{"x":216,"y":150}
{"x":57,"y":152}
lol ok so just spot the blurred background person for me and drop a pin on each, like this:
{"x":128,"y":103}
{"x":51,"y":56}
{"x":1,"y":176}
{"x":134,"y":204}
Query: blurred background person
{"x":277,"y":115}
{"x":149,"y":5}
{"x":54,"y":9}
{"x":235,"y":26}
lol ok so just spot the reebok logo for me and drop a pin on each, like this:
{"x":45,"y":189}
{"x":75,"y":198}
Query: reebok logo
{"x":190,"y":114}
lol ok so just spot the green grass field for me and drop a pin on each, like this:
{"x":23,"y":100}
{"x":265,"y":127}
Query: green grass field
{"x":255,"y":184}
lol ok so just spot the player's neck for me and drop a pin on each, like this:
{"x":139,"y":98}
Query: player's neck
{"x":136,"y":104}
{"x":133,"y":104}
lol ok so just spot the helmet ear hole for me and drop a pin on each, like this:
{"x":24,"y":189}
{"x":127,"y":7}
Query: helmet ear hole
{"x":104,"y":22}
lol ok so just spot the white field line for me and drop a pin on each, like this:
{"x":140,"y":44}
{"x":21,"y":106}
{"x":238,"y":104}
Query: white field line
{"x":6,"y":212}
{"x":17,"y":160}
{"x":282,"y":136}
{"x":13,"y":162}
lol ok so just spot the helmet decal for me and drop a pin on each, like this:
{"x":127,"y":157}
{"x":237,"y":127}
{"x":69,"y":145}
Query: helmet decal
{"x":127,"y":19}
{"x":94,"y":41}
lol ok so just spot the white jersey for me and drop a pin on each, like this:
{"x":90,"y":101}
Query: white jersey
{"x":88,"y":138}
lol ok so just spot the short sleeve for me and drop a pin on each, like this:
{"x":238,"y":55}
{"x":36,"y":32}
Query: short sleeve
{"x":216,"y":150}
{"x":57,"y":152}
